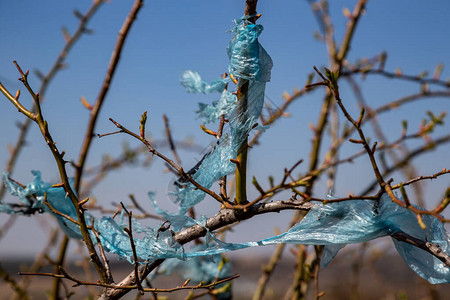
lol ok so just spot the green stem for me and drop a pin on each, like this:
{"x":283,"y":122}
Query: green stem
{"x":241,"y":174}
{"x":241,"y":166}
{"x":242,"y":93}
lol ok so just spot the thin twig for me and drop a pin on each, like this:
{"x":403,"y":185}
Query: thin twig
{"x":57,"y":212}
{"x":127,"y":288}
{"x":129,"y":231}
{"x":170,"y":162}
{"x":145,"y":214}
{"x":94,"y":112}
{"x":419,"y":178}
{"x":58,"y":156}
{"x":394,"y":75}
{"x":102,"y":252}
{"x":57,"y":66}
{"x":412,"y":154}
{"x":170,"y":140}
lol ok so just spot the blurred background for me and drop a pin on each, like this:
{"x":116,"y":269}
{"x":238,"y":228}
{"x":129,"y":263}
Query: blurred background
{"x":172,"y":36}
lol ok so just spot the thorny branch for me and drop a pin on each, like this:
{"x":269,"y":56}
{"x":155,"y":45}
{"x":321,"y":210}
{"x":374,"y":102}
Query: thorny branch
{"x":78,"y":282}
{"x":331,"y":83}
{"x":57,"y":66}
{"x":94,"y":112}
{"x":234,"y":213}
{"x":129,"y":231}
{"x":170,"y":162}
{"x":58,"y":156}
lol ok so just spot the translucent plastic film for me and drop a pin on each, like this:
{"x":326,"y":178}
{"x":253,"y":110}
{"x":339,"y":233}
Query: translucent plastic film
{"x":32,"y":199}
{"x":151,"y":244}
{"x":337,"y":224}
{"x":194,"y":83}
{"x":333,"y":225}
{"x":200,"y":269}
{"x":248,"y":60}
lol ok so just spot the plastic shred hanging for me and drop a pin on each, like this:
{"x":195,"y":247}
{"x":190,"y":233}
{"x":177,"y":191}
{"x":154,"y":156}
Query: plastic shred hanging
{"x":333,"y":225}
{"x":248,"y":60}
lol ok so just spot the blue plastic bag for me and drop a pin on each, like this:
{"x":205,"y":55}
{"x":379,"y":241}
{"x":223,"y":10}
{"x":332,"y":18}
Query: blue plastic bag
{"x":194,"y":83}
{"x":248,"y":60}
{"x":153,"y":243}
{"x":355,"y":221}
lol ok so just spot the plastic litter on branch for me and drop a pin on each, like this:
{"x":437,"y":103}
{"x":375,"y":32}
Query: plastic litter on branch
{"x":193,"y":83}
{"x":248,"y":60}
{"x":210,"y":113}
{"x":202,"y":268}
{"x":154,"y":244}
{"x":32,"y":200}
{"x":355,"y":221}
{"x":333,"y":225}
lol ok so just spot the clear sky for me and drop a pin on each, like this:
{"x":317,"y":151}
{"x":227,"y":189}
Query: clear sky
{"x":171,"y":36}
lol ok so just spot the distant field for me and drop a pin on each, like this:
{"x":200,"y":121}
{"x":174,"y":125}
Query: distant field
{"x":385,"y":277}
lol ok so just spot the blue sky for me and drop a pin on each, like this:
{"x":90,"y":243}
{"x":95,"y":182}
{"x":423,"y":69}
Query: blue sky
{"x":171,"y":36}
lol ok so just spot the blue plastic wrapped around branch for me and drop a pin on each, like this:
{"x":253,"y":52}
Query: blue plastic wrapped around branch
{"x":249,"y":60}
{"x":337,"y":224}
{"x":333,"y":225}
{"x":363,"y":220}
{"x":217,"y":164}
{"x":32,"y":201}
{"x":202,"y":268}
{"x":153,"y":244}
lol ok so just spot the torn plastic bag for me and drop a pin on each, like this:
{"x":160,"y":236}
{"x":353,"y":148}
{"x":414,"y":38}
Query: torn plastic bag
{"x":217,"y":164}
{"x":32,"y":201}
{"x":153,"y":244}
{"x":337,"y":224}
{"x":205,"y":269}
{"x":210,"y":113}
{"x":198,"y":269}
{"x":194,"y":83}
{"x":248,"y":59}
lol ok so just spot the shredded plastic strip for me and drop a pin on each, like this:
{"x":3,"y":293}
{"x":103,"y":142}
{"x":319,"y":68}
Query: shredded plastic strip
{"x":333,"y":225}
{"x":194,"y":83}
{"x":338,"y":224}
{"x":248,"y":60}
{"x":30,"y":205}
{"x":153,"y":243}
{"x":199,"y":269}
{"x":210,"y":113}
